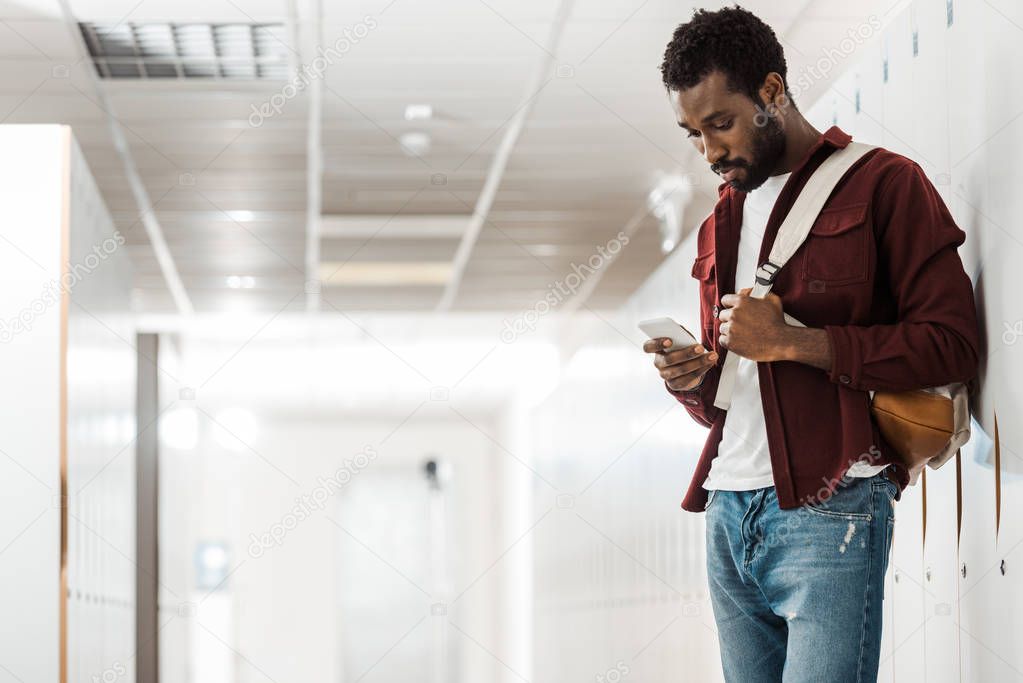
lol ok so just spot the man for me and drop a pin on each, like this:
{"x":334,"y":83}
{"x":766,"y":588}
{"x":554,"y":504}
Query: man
{"x":797,"y":484}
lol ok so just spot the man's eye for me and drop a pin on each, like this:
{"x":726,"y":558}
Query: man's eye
{"x":724,"y":126}
{"x":693,"y":134}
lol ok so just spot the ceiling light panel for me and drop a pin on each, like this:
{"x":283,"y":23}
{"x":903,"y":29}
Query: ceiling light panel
{"x":190,"y":51}
{"x":384,"y":273}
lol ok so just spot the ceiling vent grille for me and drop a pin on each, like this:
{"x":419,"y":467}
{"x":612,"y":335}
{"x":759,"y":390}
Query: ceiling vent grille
{"x":206,"y":51}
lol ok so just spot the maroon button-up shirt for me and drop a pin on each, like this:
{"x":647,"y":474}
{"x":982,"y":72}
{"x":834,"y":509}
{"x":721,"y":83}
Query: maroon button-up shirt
{"x":880,"y":272}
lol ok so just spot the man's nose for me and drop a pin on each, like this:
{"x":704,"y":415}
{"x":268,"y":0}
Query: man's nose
{"x":713,"y":153}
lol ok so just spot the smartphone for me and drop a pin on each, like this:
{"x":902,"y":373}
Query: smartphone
{"x":666,"y":327}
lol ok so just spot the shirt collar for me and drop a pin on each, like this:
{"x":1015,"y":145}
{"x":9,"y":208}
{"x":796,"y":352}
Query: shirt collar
{"x":832,"y":137}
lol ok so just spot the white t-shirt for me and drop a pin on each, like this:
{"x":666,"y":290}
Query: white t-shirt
{"x":743,"y":461}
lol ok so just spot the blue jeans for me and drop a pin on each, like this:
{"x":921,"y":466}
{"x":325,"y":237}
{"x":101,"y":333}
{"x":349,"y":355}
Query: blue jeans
{"x":797,"y":593}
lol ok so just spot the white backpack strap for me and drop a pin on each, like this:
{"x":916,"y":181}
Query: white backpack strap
{"x":791,"y":234}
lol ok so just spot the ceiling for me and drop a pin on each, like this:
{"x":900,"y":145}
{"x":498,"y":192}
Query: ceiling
{"x":229,"y":187}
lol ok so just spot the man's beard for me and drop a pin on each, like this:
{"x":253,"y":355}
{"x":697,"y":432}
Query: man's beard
{"x":768,"y":149}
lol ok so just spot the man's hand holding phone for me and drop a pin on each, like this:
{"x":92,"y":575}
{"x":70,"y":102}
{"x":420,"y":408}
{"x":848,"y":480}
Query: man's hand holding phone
{"x":681,"y":360}
{"x":682,"y":369}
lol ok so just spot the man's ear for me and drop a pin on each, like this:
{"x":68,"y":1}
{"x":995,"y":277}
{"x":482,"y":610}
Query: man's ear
{"x":772,"y":89}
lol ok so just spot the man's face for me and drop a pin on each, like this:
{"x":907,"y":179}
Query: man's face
{"x":741,"y":141}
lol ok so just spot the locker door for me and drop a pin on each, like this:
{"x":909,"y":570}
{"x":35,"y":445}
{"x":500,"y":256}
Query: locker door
{"x":940,"y":585}
{"x":867,"y":124}
{"x":980,"y":612}
{"x":907,"y":595}
{"x":900,"y":118}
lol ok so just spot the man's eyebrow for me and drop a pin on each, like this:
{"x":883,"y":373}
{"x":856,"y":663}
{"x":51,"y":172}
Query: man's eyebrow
{"x":706,"y":119}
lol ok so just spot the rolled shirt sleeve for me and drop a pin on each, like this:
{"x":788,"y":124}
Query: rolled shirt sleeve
{"x":699,"y":401}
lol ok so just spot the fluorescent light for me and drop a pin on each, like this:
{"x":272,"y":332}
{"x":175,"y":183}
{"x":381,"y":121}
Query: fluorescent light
{"x":385,"y":273}
{"x":240,"y":281}
{"x":415,"y":143}
{"x":543,"y":249}
{"x":387,"y":226}
{"x":667,"y":202}
{"x":418,"y":112}
{"x":241,"y":216}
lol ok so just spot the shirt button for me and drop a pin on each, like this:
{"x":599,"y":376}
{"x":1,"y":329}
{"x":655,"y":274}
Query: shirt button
{"x":692,"y":401}
{"x":844,"y":379}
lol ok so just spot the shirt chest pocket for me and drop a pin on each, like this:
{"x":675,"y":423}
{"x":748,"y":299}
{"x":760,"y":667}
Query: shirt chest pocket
{"x":837,"y":250}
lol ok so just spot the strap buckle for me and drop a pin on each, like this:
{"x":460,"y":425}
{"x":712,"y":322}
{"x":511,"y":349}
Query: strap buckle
{"x":766,"y":273}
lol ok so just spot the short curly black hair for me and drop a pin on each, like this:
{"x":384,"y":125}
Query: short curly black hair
{"x":731,"y":40}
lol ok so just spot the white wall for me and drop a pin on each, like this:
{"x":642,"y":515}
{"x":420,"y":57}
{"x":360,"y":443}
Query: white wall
{"x":31,"y":199}
{"x":69,"y":369}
